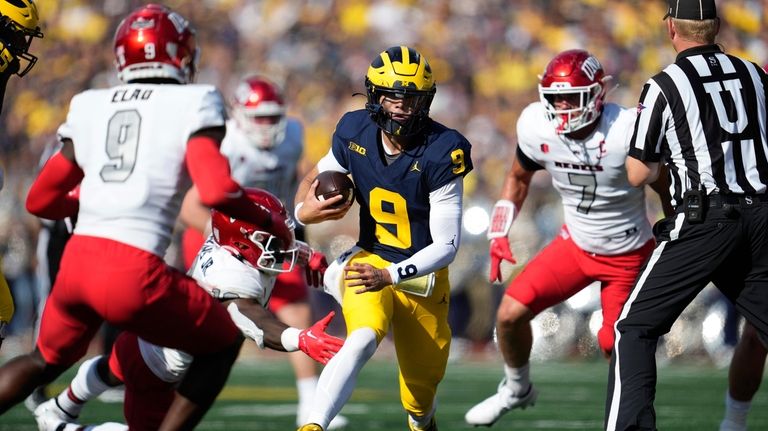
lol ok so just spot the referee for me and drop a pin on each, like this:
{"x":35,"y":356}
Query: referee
{"x":705,"y":118}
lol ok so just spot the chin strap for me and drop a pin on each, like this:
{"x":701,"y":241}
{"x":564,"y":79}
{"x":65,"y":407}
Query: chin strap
{"x":503,"y":214}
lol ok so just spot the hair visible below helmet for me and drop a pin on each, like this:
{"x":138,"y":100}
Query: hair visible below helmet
{"x":577,"y":76}
{"x":400,"y":72}
{"x":19,"y":24}
{"x":262,"y":248}
{"x":259,"y":109}
{"x":153,"y":42}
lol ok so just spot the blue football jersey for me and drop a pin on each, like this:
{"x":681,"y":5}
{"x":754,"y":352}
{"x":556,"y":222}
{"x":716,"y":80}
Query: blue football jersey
{"x":394,"y":199}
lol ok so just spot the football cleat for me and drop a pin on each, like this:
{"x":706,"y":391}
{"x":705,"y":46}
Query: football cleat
{"x":310,"y":427}
{"x":487,"y":412}
{"x":50,"y":417}
{"x":413,"y":426}
{"x":337,"y":423}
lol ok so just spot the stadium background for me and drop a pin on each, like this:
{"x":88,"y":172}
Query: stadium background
{"x":486,"y":55}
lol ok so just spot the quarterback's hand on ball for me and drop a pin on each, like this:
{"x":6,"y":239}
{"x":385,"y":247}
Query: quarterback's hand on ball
{"x":371,"y":279}
{"x":499,"y":251}
{"x":317,"y":344}
{"x":316,"y":269}
{"x":313,"y":210}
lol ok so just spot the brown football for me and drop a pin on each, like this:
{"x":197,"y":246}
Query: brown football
{"x":332,"y":183}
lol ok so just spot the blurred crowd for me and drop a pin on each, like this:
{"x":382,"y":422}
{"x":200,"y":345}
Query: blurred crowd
{"x":486,"y":55}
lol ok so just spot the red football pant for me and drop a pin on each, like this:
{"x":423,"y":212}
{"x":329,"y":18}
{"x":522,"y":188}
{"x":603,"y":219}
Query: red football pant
{"x":147,"y":398}
{"x":562,"y":269}
{"x":100,"y":279}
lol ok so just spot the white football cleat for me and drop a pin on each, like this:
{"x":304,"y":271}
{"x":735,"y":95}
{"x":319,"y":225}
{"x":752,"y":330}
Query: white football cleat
{"x":50,"y":417}
{"x":337,"y":423}
{"x":487,"y":412}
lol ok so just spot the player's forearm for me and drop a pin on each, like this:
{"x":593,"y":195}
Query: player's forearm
{"x":50,"y":197}
{"x":445,"y":229}
{"x":270,"y":328}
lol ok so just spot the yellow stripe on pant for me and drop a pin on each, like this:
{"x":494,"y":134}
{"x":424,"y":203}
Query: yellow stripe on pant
{"x":419,"y":327}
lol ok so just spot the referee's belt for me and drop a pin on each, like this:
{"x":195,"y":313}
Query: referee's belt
{"x":717,"y":200}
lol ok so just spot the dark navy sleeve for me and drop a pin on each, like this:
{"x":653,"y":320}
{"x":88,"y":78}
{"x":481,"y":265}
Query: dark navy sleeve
{"x":339,"y":141}
{"x":452,"y":159}
{"x":526,"y":162}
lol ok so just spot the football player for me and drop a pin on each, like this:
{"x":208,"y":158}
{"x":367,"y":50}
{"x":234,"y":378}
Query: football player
{"x":132,"y":149}
{"x":239,"y":260}
{"x":409,"y":174}
{"x":19,"y":24}
{"x":264,"y":147}
{"x":581,"y":141}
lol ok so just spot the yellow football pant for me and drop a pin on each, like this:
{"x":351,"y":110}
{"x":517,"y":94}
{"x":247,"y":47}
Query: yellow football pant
{"x":6,"y":301}
{"x":419,"y":327}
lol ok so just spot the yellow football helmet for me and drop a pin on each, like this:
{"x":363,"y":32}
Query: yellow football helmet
{"x":400,"y":72}
{"x":19,"y":24}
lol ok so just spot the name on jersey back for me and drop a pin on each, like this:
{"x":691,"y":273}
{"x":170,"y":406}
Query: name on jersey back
{"x":128,"y":94}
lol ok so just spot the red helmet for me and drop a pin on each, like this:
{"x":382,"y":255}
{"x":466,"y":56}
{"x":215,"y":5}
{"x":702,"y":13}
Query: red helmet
{"x":572,"y":89}
{"x":270,"y":249}
{"x":155,"y":42}
{"x":259,"y":110}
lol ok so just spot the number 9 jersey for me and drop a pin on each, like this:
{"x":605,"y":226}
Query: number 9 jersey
{"x":130,"y":140}
{"x":394,"y":197}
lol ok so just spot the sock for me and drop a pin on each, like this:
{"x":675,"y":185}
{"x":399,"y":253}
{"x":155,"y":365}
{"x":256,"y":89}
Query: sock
{"x":423,"y":421}
{"x":338,"y":379}
{"x":518,"y":379}
{"x":736,"y":411}
{"x":85,"y":386}
{"x":306,"y":388}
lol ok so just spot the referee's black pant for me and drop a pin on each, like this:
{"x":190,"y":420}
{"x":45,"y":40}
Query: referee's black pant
{"x":730,"y":249}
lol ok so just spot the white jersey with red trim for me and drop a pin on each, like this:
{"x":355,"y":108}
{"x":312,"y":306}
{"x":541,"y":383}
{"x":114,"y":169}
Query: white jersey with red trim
{"x":603,"y":212}
{"x":274,"y":169}
{"x":224,"y":276}
{"x":131,"y":141}
{"x":228,"y":277}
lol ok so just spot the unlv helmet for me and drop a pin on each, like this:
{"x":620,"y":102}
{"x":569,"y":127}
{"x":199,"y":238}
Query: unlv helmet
{"x":259,"y":110}
{"x":400,"y":72}
{"x":19,"y":24}
{"x":270,"y":250}
{"x":155,"y":42}
{"x":572,"y":90}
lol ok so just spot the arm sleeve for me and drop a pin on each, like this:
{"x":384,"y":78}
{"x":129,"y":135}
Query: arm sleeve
{"x":445,"y":228}
{"x":329,"y":163}
{"x":209,"y":170}
{"x":49,"y":197}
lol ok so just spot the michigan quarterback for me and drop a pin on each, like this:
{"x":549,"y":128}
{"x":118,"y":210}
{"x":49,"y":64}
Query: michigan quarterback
{"x":19,"y":24}
{"x":408,"y":172}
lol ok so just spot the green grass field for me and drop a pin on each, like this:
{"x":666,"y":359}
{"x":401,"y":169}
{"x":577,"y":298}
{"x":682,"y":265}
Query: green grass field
{"x":261,"y":396}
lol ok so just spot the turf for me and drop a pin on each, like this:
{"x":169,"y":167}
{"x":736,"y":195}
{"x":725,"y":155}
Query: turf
{"x":261,"y":396}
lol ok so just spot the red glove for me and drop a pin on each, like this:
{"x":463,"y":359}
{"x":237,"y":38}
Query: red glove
{"x":317,"y":344}
{"x":316,"y":269}
{"x":500,"y":250}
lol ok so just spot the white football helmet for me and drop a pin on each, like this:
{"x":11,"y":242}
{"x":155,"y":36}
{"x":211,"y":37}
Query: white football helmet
{"x":259,"y":110}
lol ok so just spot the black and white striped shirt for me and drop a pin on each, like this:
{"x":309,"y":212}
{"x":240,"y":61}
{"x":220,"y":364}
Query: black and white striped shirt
{"x":705,"y":116}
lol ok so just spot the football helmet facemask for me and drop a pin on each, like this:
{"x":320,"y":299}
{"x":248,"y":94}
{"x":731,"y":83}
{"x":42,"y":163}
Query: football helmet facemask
{"x":19,"y":24}
{"x":269,"y":250}
{"x":155,"y":42}
{"x":400,"y":72}
{"x":259,"y":110}
{"x":572,"y":90}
